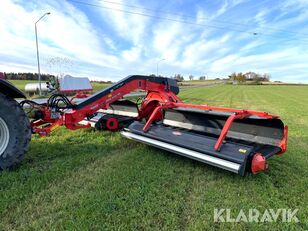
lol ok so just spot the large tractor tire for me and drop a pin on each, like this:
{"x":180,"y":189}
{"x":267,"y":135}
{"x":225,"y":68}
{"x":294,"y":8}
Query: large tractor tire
{"x":15,"y":132}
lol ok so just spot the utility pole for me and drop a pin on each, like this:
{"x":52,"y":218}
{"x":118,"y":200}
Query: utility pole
{"x":157,"y":66}
{"x":37,"y":53}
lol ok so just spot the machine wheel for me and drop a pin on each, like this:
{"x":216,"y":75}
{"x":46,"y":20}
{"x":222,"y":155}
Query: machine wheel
{"x":15,"y":132}
{"x":112,"y":124}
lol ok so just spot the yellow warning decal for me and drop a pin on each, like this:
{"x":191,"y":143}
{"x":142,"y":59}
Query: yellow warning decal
{"x":242,"y":150}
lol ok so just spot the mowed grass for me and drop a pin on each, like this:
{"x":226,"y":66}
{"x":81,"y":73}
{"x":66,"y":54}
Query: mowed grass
{"x":89,"y":180}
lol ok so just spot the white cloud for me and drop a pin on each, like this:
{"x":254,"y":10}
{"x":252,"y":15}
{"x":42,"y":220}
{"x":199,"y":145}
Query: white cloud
{"x":167,"y":40}
{"x":115,"y":43}
{"x":286,"y":64}
{"x":16,"y":67}
{"x":67,"y":32}
{"x":201,"y":51}
{"x":133,"y":54}
{"x":225,"y":6}
{"x":130,"y":27}
{"x":260,"y":17}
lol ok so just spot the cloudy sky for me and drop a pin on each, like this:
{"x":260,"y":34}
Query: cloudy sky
{"x":110,"y":39}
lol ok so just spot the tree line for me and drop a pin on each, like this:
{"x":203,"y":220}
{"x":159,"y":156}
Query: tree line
{"x":235,"y":77}
{"x":180,"y":78}
{"x":28,"y":76}
{"x":249,"y":76}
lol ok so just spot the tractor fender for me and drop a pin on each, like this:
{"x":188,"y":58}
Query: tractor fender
{"x":10,"y":90}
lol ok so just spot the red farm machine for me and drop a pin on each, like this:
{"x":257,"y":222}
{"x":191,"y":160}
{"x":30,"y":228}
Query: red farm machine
{"x":237,"y":140}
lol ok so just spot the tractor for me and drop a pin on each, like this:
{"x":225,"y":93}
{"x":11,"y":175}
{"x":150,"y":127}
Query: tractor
{"x":15,"y":129}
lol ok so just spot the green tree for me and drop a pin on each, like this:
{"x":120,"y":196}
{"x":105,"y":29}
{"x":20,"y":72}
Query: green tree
{"x":266,"y":77}
{"x":179,"y":77}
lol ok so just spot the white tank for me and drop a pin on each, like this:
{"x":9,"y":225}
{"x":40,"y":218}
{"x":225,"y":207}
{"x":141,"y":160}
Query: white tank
{"x":34,"y":87}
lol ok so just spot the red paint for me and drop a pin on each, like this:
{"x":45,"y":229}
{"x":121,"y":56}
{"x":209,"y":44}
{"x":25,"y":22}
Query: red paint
{"x":156,"y":115}
{"x":224,"y":132}
{"x":80,"y":95}
{"x":284,"y":142}
{"x":224,"y":109}
{"x":112,"y":123}
{"x":2,"y":75}
{"x":76,"y":91}
{"x":158,"y":99}
{"x":258,"y":163}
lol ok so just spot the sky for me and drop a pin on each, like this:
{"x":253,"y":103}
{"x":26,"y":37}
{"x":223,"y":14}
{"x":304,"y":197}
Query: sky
{"x":110,"y":39}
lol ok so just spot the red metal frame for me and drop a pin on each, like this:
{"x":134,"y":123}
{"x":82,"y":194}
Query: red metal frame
{"x":112,"y":124}
{"x":158,"y":98}
{"x":225,"y":109}
{"x":2,"y":75}
{"x":77,"y":91}
{"x":80,"y":95}
{"x":156,"y":115}
{"x":157,"y":93}
{"x":258,"y":163}
{"x":284,"y":142}
{"x":227,"y":126}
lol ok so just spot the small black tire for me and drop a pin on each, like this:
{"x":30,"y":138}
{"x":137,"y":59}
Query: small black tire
{"x":15,"y":132}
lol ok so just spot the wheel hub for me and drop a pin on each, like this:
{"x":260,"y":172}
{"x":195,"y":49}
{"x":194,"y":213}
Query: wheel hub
{"x":4,"y":136}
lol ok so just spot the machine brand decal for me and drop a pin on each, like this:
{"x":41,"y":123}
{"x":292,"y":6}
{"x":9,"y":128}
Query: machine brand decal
{"x":112,"y":97}
{"x":177,"y":133}
{"x":93,"y":107}
{"x":118,"y":86}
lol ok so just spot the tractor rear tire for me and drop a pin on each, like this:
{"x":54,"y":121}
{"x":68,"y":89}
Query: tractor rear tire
{"x":15,"y":132}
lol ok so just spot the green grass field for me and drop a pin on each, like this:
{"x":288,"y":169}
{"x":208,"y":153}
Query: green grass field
{"x":199,"y":82}
{"x":20,"y":84}
{"x":99,"y":86}
{"x":89,"y":180}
